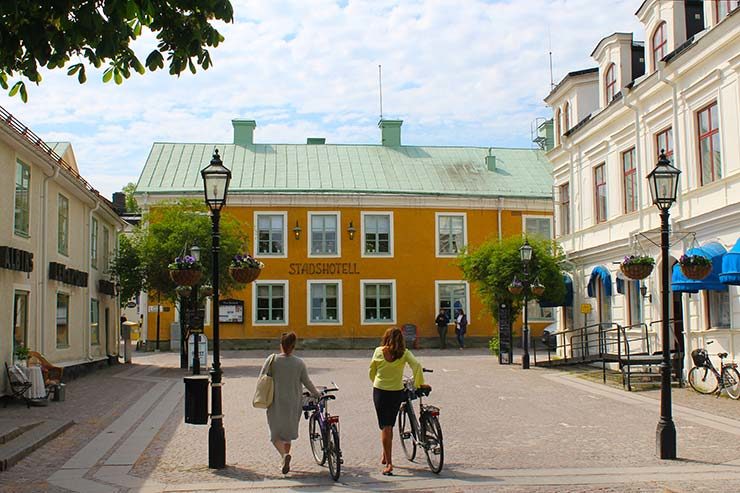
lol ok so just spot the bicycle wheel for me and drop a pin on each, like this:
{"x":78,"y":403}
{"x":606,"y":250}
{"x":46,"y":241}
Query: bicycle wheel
{"x":333,"y":452}
{"x":317,"y":441}
{"x":703,"y":380}
{"x":732,"y":382}
{"x":406,"y":433}
{"x":433,"y":444}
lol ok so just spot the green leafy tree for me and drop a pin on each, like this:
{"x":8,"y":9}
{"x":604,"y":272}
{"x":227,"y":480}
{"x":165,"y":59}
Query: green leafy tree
{"x":493,"y":265}
{"x":127,"y":269}
{"x":131,"y":204}
{"x":169,"y":230}
{"x":50,"y":33}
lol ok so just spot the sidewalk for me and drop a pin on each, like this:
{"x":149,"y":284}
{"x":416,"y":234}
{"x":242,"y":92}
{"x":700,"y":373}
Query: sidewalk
{"x":505,"y":429}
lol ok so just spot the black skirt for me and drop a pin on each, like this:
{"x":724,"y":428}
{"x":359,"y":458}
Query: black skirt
{"x":387,"y":403}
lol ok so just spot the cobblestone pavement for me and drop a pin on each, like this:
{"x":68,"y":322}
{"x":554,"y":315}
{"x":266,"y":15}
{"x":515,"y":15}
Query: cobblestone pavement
{"x":505,"y":430}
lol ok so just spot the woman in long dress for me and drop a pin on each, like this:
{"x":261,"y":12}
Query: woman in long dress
{"x":289,"y":375}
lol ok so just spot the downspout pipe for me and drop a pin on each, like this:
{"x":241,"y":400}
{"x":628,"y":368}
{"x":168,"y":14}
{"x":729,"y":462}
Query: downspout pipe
{"x":44,"y":261}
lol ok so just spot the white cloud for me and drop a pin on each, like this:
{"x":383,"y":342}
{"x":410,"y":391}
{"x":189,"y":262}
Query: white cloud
{"x":471,"y":73}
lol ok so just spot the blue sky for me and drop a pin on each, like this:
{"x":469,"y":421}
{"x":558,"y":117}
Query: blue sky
{"x":457,"y":72}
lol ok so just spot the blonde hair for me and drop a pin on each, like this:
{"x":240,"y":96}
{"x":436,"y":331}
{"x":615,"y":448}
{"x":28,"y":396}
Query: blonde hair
{"x":394,"y":341}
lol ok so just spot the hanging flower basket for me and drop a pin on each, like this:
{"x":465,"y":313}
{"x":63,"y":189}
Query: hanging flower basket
{"x":695,"y":267}
{"x":184,"y":290}
{"x":637,"y":267}
{"x":516,"y":287}
{"x":538,"y":289}
{"x":206,"y":290}
{"x":186,"y":277}
{"x":245,"y":268}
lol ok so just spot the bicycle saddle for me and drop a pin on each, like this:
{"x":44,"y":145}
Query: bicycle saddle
{"x":423,"y":392}
{"x":722,"y":355}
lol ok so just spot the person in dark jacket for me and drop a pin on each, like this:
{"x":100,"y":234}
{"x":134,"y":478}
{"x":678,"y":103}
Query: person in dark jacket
{"x":461,"y":326}
{"x":442,"y":321}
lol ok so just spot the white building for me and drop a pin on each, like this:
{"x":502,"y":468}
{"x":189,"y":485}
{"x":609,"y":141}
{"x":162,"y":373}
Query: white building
{"x":57,"y":237}
{"x":678,"y":91}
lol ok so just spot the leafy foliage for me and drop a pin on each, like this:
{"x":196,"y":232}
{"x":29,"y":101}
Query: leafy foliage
{"x":126,"y":267}
{"x":638,"y":260}
{"x":48,"y":34}
{"x":245,"y":261}
{"x":694,"y":260}
{"x":169,"y":230}
{"x":494,"y":265}
{"x":131,"y":204}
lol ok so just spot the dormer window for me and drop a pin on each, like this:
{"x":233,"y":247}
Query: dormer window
{"x":566,"y":117}
{"x":610,"y":81}
{"x":724,"y":7}
{"x":659,"y":44}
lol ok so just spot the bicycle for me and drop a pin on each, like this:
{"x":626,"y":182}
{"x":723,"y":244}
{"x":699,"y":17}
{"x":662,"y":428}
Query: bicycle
{"x":425,"y":432}
{"x":705,"y":379}
{"x":323,"y":431}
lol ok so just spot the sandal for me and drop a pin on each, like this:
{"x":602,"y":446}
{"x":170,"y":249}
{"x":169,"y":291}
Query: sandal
{"x":388,"y":471}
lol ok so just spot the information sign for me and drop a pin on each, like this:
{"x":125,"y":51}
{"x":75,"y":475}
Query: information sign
{"x":506,"y":346}
{"x":231,"y":311}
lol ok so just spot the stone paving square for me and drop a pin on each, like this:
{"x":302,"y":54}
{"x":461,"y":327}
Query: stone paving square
{"x":505,"y":429}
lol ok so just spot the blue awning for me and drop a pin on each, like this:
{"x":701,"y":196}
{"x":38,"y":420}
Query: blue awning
{"x":731,"y":266}
{"x":599,"y":272}
{"x":568,"y":299}
{"x":682,"y":284}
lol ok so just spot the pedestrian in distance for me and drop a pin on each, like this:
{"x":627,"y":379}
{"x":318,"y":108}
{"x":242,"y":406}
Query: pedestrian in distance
{"x":386,"y":373}
{"x":289,"y":375}
{"x":442,"y":321}
{"x":461,"y":326}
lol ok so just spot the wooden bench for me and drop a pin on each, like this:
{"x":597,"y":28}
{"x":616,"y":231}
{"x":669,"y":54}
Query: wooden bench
{"x":19,"y":384}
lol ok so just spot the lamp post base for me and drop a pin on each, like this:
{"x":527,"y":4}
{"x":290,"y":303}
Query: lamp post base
{"x":216,"y":446}
{"x":665,"y":439}
{"x":525,"y":345}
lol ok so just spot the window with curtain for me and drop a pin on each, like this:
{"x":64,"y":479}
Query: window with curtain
{"x":270,"y":234}
{"x":63,"y":225}
{"x":20,"y":319}
{"x":610,"y":83}
{"x":659,"y":44}
{"x":634,"y":302}
{"x":378,"y":302}
{"x":565,"y":209}
{"x":718,"y":309}
{"x":325,"y":298}
{"x":722,"y":8}
{"x":94,"y":243}
{"x":629,"y":181}
{"x":377,"y":229}
{"x":22,"y":199}
{"x":106,"y":248}
{"x":324,"y":234}
{"x":600,"y":192}
{"x":270,"y":303}
{"x":94,"y":322}
{"x":451,"y":229}
{"x":664,"y":141}
{"x":710,"y":153}
{"x":62,"y":321}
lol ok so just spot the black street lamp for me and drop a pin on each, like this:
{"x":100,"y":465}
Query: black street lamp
{"x":525,"y":253}
{"x":216,"y":178}
{"x":663,"y":182}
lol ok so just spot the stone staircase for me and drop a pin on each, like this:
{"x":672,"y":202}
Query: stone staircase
{"x":20,"y":437}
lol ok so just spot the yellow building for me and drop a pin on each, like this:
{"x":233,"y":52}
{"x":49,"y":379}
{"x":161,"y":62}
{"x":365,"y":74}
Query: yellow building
{"x":357,"y":238}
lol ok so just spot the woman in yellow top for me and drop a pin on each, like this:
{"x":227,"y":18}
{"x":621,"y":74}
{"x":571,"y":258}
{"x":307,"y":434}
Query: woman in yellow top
{"x":386,"y":373}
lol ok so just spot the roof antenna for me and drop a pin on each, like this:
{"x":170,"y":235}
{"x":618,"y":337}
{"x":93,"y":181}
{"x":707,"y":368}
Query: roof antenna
{"x":549,"y":42}
{"x":380,"y":85}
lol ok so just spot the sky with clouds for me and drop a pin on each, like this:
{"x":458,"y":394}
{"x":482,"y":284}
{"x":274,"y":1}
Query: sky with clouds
{"x":464,"y":72}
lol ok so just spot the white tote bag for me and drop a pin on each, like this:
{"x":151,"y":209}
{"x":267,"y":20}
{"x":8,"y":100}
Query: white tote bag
{"x":265,"y":388}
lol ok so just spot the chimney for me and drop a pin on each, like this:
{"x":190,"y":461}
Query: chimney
{"x":244,"y":132}
{"x":119,"y":202}
{"x":390,"y":131}
{"x":490,"y":161}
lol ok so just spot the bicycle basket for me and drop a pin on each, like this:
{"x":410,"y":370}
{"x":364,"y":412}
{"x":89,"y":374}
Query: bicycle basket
{"x":699,"y":356}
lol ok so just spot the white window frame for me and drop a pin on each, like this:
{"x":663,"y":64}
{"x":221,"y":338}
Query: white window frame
{"x":394,"y":297}
{"x":255,"y":235}
{"x":56,"y":320}
{"x":437,"y":215}
{"x":339,"y":319}
{"x":339,"y":234}
{"x":437,"y":298}
{"x":536,"y":216}
{"x":269,"y":323}
{"x":365,"y":254}
{"x":96,"y":302}
{"x":16,"y":231}
{"x":715,"y":304}
{"x":94,"y":227}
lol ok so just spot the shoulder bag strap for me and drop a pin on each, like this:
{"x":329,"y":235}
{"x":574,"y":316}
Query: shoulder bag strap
{"x":268,"y":371}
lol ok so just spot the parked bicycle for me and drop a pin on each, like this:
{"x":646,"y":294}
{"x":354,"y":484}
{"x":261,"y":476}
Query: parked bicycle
{"x":424,"y":432}
{"x":705,"y":379}
{"x":323,"y":430}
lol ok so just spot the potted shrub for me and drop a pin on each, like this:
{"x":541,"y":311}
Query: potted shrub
{"x":696,"y":267}
{"x":185,"y":271}
{"x":21,"y":353}
{"x":516,"y":287}
{"x":637,"y":267}
{"x":245,"y":268}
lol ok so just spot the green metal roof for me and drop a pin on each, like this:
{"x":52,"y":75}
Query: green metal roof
{"x":346,"y":169}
